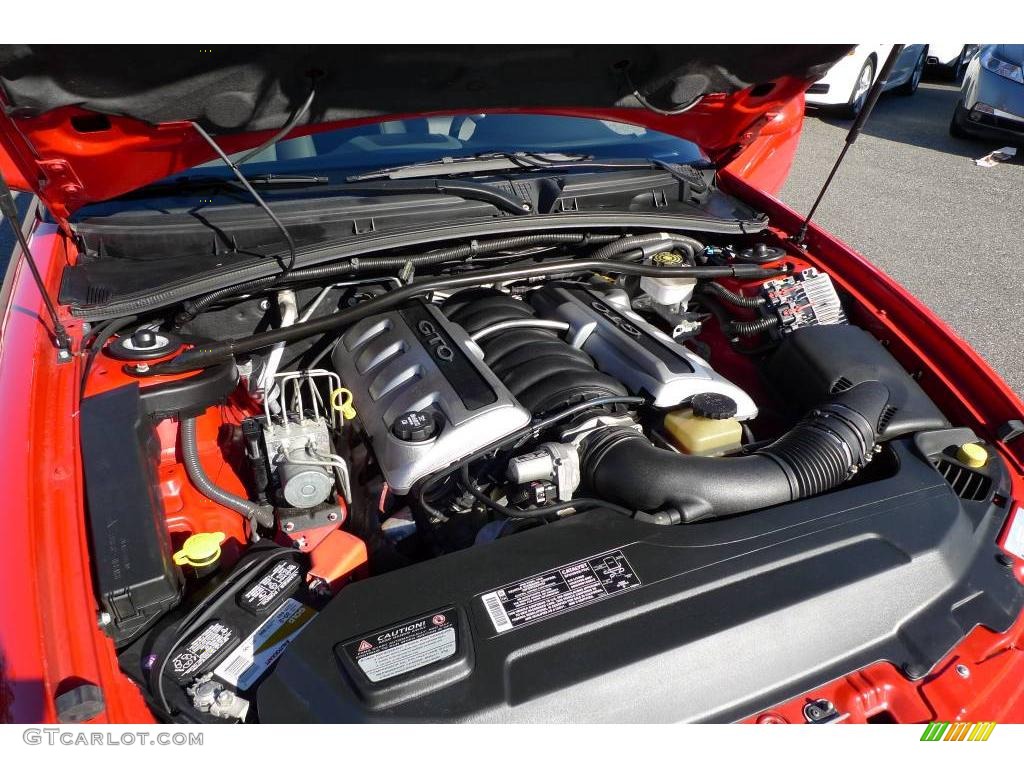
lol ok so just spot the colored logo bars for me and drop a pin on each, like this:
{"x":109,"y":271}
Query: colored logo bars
{"x":958,"y":731}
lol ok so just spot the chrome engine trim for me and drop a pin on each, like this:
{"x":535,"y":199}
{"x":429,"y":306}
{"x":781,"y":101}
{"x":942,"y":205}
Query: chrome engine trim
{"x":628,"y":348}
{"x":415,"y":359}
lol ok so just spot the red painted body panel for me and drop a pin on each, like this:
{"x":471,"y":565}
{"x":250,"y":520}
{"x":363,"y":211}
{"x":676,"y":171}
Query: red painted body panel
{"x":765,"y":163}
{"x":48,"y":634}
{"x":68,"y":168}
{"x":49,"y":637}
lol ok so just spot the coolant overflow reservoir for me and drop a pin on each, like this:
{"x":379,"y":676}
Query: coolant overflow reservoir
{"x":707,"y":428}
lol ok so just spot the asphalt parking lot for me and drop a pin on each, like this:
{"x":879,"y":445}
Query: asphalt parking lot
{"x":909,"y":197}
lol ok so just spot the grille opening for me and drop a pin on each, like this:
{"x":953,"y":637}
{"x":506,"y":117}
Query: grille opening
{"x":841,"y":385}
{"x":966,"y":483}
{"x":886,"y":417}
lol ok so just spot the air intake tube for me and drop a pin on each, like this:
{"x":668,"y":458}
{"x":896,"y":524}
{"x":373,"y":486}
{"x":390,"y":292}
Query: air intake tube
{"x":822,"y":451}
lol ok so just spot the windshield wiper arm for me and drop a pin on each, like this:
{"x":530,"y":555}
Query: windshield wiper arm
{"x":478,"y":163}
{"x":513,"y":161}
{"x":189,"y":183}
{"x":286,"y":180}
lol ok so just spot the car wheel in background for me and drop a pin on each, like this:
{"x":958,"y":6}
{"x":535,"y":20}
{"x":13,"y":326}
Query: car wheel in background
{"x":955,"y":123}
{"x":909,"y":88}
{"x":860,"y":90}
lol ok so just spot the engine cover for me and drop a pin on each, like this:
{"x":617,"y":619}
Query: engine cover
{"x":416,"y":361}
{"x":631,"y":350}
{"x":598,"y":619}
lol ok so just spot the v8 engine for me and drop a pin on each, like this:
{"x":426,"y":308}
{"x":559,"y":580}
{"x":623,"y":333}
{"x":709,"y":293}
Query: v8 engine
{"x":437,"y":383}
{"x":438,"y":472}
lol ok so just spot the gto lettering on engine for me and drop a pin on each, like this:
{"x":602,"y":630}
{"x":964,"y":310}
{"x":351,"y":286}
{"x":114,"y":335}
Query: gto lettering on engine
{"x":620,"y":322}
{"x":435,"y":341}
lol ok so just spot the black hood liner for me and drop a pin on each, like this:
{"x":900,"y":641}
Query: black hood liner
{"x":255,"y":87}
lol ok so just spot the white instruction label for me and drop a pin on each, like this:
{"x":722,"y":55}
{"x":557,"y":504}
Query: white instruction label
{"x":557,"y":591}
{"x":247,"y":663}
{"x":1014,"y":543}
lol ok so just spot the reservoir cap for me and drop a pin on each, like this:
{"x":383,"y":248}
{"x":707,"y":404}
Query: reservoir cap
{"x":713,"y":405}
{"x":973,"y":455}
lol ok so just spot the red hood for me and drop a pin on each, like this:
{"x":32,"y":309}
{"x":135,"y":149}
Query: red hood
{"x":82,"y":124}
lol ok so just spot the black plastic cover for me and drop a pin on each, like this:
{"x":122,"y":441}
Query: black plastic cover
{"x":136,"y":578}
{"x":189,"y":396}
{"x":815,"y":362}
{"x":697,"y":623}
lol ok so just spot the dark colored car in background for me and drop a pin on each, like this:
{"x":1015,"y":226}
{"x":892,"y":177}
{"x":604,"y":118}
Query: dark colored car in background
{"x":992,"y":95}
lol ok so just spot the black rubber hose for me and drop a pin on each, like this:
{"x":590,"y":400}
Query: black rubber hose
{"x":192,"y":309}
{"x":103,"y":335}
{"x":752,"y":327}
{"x":204,"y":355}
{"x":819,"y":453}
{"x":650,"y":245}
{"x":256,"y":514}
{"x":747,"y":302}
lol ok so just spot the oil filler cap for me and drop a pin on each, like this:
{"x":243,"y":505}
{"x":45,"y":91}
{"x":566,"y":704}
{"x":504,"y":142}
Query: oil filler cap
{"x":415,"y":426}
{"x":713,"y":405}
{"x":973,"y":455}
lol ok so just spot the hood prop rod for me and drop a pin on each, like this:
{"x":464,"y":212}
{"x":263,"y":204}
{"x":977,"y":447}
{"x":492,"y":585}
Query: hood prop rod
{"x":10,"y":212}
{"x":858,"y":123}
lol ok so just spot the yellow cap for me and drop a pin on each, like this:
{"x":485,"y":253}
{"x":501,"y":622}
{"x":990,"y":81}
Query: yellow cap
{"x":200,"y":549}
{"x":973,"y":455}
{"x":341,"y":400}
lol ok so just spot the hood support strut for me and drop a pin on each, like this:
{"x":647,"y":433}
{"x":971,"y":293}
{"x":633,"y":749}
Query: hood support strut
{"x":869,"y":104}
{"x":10,"y":212}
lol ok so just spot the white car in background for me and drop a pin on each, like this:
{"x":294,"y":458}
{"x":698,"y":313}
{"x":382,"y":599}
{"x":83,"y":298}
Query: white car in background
{"x":844,"y":87}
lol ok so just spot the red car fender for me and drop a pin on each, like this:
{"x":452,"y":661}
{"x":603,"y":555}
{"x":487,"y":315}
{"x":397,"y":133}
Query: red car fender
{"x":50,"y":641}
{"x":766,"y":160}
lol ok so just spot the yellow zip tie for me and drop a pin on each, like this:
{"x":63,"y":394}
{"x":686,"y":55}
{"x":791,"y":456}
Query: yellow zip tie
{"x":341,"y":400}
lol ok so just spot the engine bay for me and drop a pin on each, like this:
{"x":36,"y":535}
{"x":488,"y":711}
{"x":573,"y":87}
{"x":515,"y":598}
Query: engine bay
{"x":479,"y":480}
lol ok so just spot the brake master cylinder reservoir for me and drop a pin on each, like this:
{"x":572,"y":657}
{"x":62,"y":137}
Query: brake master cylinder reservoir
{"x":668,"y":291}
{"x":707,"y":427}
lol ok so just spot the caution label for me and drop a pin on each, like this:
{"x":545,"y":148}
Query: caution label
{"x":247,"y":663}
{"x":405,"y":647}
{"x":560,"y":590}
{"x":262,"y":593}
{"x":190,"y":660}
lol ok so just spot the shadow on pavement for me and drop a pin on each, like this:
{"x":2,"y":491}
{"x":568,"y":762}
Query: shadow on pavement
{"x":921,"y":120}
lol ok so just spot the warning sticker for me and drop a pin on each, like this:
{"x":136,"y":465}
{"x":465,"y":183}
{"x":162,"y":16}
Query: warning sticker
{"x":261,"y":593}
{"x":190,"y":659}
{"x":1014,"y":543}
{"x":405,"y":647}
{"x":247,"y":663}
{"x":563,"y":589}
